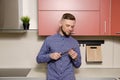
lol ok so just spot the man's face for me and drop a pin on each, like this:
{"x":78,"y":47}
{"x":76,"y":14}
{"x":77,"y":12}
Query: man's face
{"x":67,"y":26}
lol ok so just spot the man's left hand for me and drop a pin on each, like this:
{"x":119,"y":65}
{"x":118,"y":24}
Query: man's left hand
{"x":73,"y":54}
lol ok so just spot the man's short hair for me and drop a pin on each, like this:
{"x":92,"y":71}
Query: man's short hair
{"x":68,"y":16}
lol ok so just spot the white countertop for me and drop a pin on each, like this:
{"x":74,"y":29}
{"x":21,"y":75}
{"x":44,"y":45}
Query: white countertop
{"x":83,"y":72}
{"x":25,"y":78}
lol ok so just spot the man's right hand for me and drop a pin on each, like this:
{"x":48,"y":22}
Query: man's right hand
{"x":55,"y":56}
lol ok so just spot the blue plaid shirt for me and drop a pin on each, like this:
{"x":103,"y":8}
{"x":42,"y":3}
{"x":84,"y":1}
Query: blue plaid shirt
{"x":63,"y":68}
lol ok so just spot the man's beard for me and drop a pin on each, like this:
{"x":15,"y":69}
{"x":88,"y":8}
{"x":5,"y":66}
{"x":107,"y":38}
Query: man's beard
{"x":64,"y":33}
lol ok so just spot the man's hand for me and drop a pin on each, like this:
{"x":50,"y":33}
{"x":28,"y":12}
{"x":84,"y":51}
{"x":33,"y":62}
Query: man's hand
{"x":55,"y":56}
{"x":73,"y":54}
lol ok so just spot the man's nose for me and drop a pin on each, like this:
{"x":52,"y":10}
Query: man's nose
{"x":70,"y":28}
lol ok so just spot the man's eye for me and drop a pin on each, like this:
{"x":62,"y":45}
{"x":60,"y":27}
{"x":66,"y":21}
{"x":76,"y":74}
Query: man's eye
{"x":67,"y":25}
{"x":72,"y":26}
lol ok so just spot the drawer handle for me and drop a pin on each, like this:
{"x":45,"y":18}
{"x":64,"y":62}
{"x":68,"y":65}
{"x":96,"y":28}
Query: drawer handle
{"x":93,"y":47}
{"x":105,"y":26}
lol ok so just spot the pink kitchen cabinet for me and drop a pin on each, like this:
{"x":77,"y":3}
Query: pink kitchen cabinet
{"x":115,"y":18}
{"x":105,"y":17}
{"x":68,"y":4}
{"x":87,"y":22}
{"x":89,"y":14}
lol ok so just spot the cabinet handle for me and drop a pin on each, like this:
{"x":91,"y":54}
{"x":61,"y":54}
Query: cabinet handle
{"x":117,"y":32}
{"x":105,"y":26}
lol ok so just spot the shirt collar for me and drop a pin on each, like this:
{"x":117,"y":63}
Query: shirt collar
{"x":62,"y":35}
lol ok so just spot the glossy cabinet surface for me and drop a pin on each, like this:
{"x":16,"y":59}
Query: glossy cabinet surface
{"x":68,"y":4}
{"x":115,"y":17}
{"x":105,"y":18}
{"x":87,"y":22}
{"x":92,"y":16}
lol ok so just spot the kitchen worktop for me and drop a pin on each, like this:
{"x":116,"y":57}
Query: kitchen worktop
{"x":25,"y":78}
{"x":82,"y":72}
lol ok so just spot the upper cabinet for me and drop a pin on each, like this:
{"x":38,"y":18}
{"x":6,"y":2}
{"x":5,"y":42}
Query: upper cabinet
{"x":115,"y":17}
{"x":92,"y":16}
{"x":105,"y":17}
{"x":87,"y":22}
{"x":68,"y":4}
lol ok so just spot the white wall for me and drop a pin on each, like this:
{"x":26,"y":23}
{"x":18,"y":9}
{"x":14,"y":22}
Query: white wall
{"x":107,"y":53}
{"x":30,"y":9}
{"x":20,"y":50}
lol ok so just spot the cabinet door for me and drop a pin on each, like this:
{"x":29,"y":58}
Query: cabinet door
{"x":87,"y":22}
{"x":115,"y":17}
{"x":105,"y":17}
{"x":48,"y":22}
{"x":68,"y":4}
{"x":92,"y":16}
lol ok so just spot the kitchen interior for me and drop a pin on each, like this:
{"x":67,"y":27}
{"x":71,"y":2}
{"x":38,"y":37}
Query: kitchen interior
{"x":19,"y":48}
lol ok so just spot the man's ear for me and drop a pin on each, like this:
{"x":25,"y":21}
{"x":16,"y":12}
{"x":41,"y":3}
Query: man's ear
{"x":60,"y":23}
